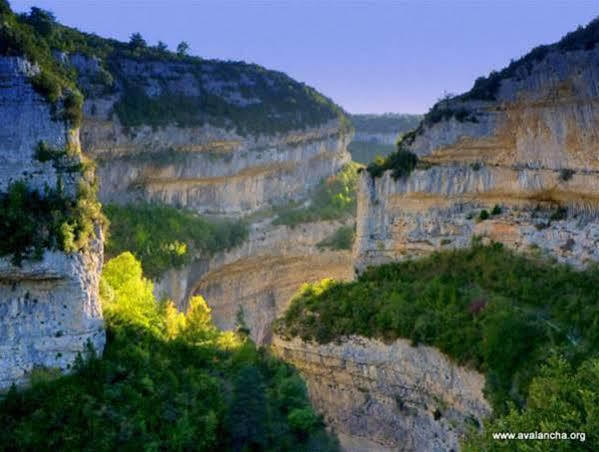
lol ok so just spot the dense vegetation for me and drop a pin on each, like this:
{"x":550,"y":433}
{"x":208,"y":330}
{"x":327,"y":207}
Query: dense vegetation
{"x":31,"y":222}
{"x":167,"y":381}
{"x":164,"y":237}
{"x":341,"y":239}
{"x":401,"y":164}
{"x":502,"y":313}
{"x":386,"y":123}
{"x":333,"y":199}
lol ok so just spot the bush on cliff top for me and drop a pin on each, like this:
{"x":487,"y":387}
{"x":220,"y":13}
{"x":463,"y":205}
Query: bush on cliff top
{"x":166,"y":381}
{"x":164,"y":237}
{"x":486,"y":307}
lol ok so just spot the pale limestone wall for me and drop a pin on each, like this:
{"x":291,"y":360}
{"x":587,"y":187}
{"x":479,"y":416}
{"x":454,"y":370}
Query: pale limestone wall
{"x":514,"y":155}
{"x":260,"y":276}
{"x":205,"y":168}
{"x":388,"y":397}
{"x":49,"y":309}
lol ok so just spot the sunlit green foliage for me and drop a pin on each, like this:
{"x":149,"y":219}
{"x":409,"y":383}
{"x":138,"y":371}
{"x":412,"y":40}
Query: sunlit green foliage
{"x":166,"y":381}
{"x":486,"y":307}
{"x":333,"y":199}
{"x":164,"y":237}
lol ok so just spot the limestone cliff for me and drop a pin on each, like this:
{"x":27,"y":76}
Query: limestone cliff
{"x":524,"y":139}
{"x":224,"y":139}
{"x":213,"y":160}
{"x":49,"y":308}
{"x":384,"y":397}
{"x":259,"y":278}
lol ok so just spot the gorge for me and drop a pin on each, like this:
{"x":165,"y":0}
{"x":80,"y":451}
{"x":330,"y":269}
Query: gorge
{"x":192,"y":259}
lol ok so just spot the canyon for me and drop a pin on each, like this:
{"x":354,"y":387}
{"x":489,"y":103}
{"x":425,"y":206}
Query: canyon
{"x":513,"y":161}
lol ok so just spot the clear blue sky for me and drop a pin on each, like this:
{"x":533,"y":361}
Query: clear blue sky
{"x":368,"y":56}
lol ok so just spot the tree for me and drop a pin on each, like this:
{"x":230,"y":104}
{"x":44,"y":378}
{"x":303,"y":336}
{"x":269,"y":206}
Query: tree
{"x":43,"y":21}
{"x":249,"y":411}
{"x":162,"y":47}
{"x":182,"y":48}
{"x":136,"y":41}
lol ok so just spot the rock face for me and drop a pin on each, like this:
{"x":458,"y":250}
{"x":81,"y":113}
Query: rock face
{"x":258,"y":279}
{"x":533,"y":151}
{"x":199,"y":165}
{"x":49,"y":309}
{"x":210,"y":165}
{"x":380,"y":397}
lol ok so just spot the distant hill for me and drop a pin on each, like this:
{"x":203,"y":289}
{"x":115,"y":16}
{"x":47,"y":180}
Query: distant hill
{"x":377,"y":134}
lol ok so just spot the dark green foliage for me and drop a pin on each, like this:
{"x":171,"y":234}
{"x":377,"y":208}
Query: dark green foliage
{"x":333,"y":199}
{"x":150,"y":391}
{"x":402,"y":163}
{"x":182,"y":48}
{"x":561,"y":213}
{"x":442,"y":111}
{"x":136,"y":41}
{"x":31,"y":221}
{"x":496,"y":210}
{"x":248,"y":410}
{"x":385,"y":123}
{"x":486,"y":307}
{"x":566,"y":174}
{"x":362,"y":152}
{"x":164,"y":237}
{"x":483,"y":215}
{"x":561,"y":398}
{"x":341,"y":239}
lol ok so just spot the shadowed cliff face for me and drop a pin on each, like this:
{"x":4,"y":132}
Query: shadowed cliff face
{"x":388,"y":397}
{"x":49,"y":308}
{"x":205,"y":163}
{"x":533,"y":152}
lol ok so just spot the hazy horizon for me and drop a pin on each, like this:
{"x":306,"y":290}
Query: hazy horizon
{"x":368,"y":56}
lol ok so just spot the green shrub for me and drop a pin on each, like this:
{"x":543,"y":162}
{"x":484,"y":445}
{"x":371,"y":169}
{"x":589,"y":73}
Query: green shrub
{"x":483,"y":215}
{"x":164,"y":237}
{"x":496,"y":210}
{"x":561,"y":213}
{"x":486,"y":307}
{"x":401,"y":164}
{"x":31,"y":222}
{"x":333,"y":199}
{"x":566,"y":174}
{"x":158,"y":387}
{"x":341,"y":239}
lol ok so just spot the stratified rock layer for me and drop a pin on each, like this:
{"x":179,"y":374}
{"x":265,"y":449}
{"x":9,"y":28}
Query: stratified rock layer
{"x":49,"y":309}
{"x":533,"y":152}
{"x":388,"y":397}
{"x":258,"y":279}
